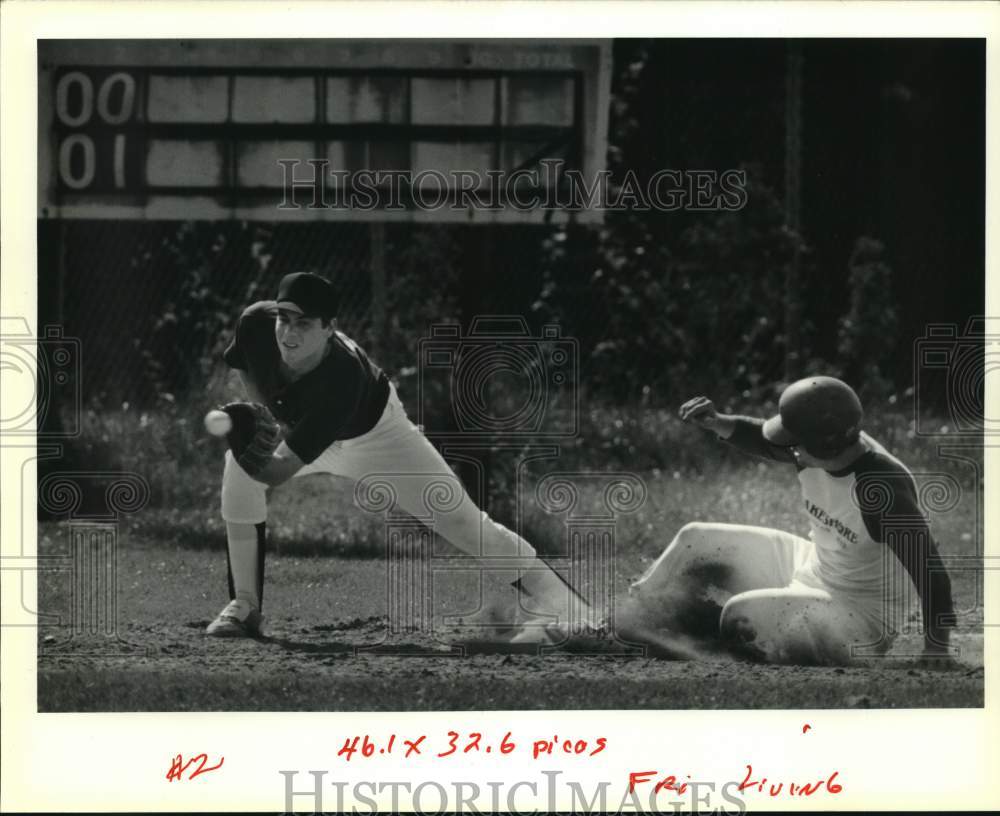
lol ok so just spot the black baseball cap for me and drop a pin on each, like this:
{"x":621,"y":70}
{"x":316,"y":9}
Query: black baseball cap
{"x":308,"y":294}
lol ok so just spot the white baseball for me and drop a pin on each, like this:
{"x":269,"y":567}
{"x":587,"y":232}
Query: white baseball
{"x":218,"y":423}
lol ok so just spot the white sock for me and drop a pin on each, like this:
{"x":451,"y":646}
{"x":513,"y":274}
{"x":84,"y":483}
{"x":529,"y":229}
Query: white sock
{"x":243,"y":560}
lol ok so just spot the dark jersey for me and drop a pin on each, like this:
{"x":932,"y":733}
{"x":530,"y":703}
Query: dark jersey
{"x":342,"y":398}
{"x":857,"y":512}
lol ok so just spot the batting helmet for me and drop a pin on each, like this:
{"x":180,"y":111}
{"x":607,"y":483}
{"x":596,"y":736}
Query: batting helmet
{"x":822,"y":414}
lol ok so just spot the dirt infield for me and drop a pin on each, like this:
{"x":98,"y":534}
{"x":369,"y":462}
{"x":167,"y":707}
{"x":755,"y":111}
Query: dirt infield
{"x":325,"y":613}
{"x":314,"y":669}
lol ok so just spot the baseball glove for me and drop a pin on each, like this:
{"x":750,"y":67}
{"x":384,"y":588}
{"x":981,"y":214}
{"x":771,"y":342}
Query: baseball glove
{"x":254,"y":436}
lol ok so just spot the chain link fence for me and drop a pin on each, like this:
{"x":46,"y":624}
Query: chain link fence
{"x":154,"y":303}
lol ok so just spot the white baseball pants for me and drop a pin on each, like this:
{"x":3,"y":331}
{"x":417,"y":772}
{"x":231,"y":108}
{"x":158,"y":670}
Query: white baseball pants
{"x":396,"y":453}
{"x":752,"y":586}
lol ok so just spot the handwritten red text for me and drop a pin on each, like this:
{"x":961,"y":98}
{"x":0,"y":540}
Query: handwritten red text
{"x":178,"y":767}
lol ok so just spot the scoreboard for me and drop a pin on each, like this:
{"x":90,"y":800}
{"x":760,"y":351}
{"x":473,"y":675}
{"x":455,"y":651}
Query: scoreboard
{"x":215,"y":129}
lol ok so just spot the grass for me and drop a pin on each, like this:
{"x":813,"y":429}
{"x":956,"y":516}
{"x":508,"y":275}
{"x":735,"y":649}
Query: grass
{"x":320,"y":607}
{"x":687,"y":474}
{"x":326,"y":590}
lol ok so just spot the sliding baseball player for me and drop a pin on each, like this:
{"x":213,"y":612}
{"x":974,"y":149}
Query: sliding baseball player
{"x":338,"y":414}
{"x":840,"y":594}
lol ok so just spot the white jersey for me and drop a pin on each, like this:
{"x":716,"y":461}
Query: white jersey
{"x":872,"y":543}
{"x":847,"y":558}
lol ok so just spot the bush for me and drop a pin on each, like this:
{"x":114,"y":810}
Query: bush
{"x":868,"y":334}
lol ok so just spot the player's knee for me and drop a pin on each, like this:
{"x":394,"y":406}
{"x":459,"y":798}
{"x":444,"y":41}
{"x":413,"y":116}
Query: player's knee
{"x":737,"y":608}
{"x":244,"y":499}
{"x":693,"y":532}
{"x":742,"y":626}
{"x":229,"y":465}
{"x":695,"y":535}
{"x":694,"y":528}
{"x":746,"y":614}
{"x":234,"y":474}
{"x":756,"y":604}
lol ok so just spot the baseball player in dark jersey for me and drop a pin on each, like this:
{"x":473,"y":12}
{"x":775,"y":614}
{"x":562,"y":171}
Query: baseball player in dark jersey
{"x":844,"y":592}
{"x":340,"y":415}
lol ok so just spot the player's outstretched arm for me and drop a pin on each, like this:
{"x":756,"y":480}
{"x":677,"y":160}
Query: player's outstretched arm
{"x":255,"y":442}
{"x":741,"y":432}
{"x":253,"y":393}
{"x":284,"y":464}
{"x":701,"y":412}
{"x":914,"y":546}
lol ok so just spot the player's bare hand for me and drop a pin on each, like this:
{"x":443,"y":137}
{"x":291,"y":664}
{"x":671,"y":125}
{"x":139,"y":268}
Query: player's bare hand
{"x":701,"y":411}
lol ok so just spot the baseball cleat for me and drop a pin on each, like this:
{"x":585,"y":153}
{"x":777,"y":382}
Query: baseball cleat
{"x":239,"y":619}
{"x":550,"y":634}
{"x":534,"y":635}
